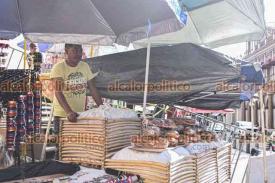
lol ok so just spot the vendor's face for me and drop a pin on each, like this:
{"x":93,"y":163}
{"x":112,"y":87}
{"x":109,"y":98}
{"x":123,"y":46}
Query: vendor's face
{"x":73,"y":55}
{"x":33,"y":49}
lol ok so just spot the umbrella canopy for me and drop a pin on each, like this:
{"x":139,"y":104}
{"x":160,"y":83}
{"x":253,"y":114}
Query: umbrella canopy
{"x":176,"y":72}
{"x":217,"y":23}
{"x":86,"y":21}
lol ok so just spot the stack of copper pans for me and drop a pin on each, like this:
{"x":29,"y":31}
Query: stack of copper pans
{"x":21,"y":118}
{"x":11,"y":125}
{"x":2,"y":122}
{"x":30,"y":114}
{"x":37,"y":111}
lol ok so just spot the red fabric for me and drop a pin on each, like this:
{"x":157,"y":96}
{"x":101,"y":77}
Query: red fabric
{"x":194,"y":110}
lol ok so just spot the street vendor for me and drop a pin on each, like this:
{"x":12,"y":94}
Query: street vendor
{"x":71,"y":79}
{"x":35,"y":58}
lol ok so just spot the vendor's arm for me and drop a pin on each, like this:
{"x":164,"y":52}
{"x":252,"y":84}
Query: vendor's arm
{"x":94,"y":92}
{"x":58,"y":84}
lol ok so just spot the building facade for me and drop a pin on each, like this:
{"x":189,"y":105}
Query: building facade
{"x":262,"y":52}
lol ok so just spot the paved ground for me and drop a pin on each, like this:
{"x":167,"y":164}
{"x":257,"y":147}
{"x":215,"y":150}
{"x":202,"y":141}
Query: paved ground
{"x":239,"y":175}
{"x":241,"y":165}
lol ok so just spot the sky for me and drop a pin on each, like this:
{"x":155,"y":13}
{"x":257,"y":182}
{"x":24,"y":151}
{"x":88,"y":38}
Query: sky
{"x":269,"y":12}
{"x":238,"y":50}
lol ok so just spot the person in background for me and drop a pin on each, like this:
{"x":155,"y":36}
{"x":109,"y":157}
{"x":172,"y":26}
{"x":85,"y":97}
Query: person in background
{"x":71,"y":78}
{"x":35,"y":58}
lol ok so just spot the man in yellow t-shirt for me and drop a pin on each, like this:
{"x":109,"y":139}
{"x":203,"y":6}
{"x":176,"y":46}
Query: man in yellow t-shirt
{"x":71,"y":79}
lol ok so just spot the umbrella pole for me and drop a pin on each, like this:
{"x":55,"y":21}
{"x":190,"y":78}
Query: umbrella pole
{"x":263,"y":136}
{"x":252,"y":123}
{"x":146,"y":77}
{"x":25,"y":53}
{"x":43,"y":153}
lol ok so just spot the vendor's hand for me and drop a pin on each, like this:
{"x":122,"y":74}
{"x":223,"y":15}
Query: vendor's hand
{"x":72,"y":116}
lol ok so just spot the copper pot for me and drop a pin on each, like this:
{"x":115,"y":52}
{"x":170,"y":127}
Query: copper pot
{"x":22,"y":98}
{"x":172,"y":134}
{"x":12,"y":104}
{"x":11,"y":129}
{"x":12,"y":114}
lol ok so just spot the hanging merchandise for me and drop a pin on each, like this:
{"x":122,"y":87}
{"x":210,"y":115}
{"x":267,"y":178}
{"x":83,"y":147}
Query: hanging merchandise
{"x":11,"y":125}
{"x":37,"y":108}
{"x":14,"y":82}
{"x":3,"y":54}
{"x":1,"y":111}
{"x":30,"y":114}
{"x":21,"y":118}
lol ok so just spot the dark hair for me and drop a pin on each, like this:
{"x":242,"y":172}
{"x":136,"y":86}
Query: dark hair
{"x":32,"y":45}
{"x":77,"y":46}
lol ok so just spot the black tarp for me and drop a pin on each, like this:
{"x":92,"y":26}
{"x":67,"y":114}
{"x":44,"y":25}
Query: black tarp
{"x":187,"y":67}
{"x":215,"y":101}
{"x":37,"y":169}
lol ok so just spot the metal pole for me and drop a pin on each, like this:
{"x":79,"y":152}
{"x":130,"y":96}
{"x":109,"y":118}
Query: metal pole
{"x":10,"y":58}
{"x":25,"y":53}
{"x":244,"y":175}
{"x":239,"y":154}
{"x":46,"y":135}
{"x":263,"y":136}
{"x":146,"y":77}
{"x":252,"y":123}
{"x":20,"y":61}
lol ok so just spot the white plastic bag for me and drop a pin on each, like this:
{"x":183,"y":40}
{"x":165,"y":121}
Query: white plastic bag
{"x":108,"y":112}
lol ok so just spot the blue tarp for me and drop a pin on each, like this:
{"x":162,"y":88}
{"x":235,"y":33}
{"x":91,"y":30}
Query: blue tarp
{"x":251,"y":74}
{"x":252,"y":77}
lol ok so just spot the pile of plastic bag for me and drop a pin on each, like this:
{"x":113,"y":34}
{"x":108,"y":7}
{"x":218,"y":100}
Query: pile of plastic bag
{"x":108,"y":112}
{"x":167,"y":156}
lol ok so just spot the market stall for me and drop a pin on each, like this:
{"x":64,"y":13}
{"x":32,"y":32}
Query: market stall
{"x":117,"y":129}
{"x":157,"y":150}
{"x":105,"y":28}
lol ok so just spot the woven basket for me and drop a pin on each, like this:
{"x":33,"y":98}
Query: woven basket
{"x":90,"y":141}
{"x":211,"y":166}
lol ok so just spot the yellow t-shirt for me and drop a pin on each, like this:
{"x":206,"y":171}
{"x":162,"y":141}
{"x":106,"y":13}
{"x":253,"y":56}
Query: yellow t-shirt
{"x":75,"y":85}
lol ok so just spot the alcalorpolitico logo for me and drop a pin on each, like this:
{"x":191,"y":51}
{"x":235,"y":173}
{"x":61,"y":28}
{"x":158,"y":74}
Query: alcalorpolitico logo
{"x":162,"y":86}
